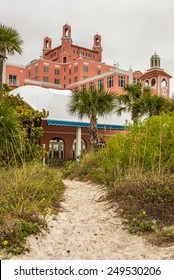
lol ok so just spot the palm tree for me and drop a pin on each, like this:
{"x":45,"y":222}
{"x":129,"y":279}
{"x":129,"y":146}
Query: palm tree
{"x":92,"y":103}
{"x":153,"y":105}
{"x":140,"y":101}
{"x":10,"y":43}
{"x":128,"y":100}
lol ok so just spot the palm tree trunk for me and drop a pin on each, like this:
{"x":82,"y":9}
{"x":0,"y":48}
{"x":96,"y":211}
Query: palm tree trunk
{"x":1,"y":72}
{"x":93,"y":132}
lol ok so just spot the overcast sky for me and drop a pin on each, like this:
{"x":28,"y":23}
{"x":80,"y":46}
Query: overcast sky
{"x":131,"y":30}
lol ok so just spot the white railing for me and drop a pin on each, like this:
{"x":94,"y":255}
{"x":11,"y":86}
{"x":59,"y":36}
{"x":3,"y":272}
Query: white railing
{"x":41,"y":83}
{"x":13,"y":82}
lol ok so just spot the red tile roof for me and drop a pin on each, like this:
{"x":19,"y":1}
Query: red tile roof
{"x":152,"y":73}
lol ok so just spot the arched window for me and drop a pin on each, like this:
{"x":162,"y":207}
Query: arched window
{"x":83,"y":147}
{"x":66,"y":32}
{"x":153,"y":82}
{"x":57,"y":147}
{"x":146,"y":83}
{"x":46,"y":44}
{"x":97,"y":41}
{"x":164,"y":87}
{"x":64,"y":59}
{"x":164,"y":83}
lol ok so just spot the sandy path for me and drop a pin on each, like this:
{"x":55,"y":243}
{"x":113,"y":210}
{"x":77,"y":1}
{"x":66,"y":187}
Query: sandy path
{"x":88,"y":229}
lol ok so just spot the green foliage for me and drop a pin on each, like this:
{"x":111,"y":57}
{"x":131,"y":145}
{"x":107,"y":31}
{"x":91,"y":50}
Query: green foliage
{"x":92,"y":103}
{"x":27,"y":195}
{"x":137,"y":169}
{"x":140,"y":101}
{"x":68,"y":169}
{"x":10,"y":43}
{"x":10,"y":132}
{"x":29,"y":128}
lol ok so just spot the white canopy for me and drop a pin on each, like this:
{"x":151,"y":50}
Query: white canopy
{"x":55,"y":102}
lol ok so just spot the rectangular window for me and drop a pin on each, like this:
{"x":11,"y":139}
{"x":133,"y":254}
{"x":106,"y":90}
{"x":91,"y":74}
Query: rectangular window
{"x":99,"y":72}
{"x":70,"y":72}
{"x":64,"y":69}
{"x":136,"y":80}
{"x":56,"y":81}
{"x":91,"y":85}
{"x":85,"y":77}
{"x":85,"y":69}
{"x":64,"y":78}
{"x":75,"y":79}
{"x":83,"y":87}
{"x":56,"y":72}
{"x":100,"y":84}
{"x":121,"y":81}
{"x":69,"y":81}
{"x":110,"y":82}
{"x":75,"y":69}
{"x":36,"y":70}
{"x":46,"y":79}
{"x":12,"y":80}
{"x":36,"y":78}
{"x":46,"y":69}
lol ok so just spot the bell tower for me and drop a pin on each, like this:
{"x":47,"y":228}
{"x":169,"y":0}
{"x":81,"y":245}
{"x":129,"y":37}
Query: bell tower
{"x":66,"y":49}
{"x":66,"y":35}
{"x":157,"y":78}
{"x":97,"y":46}
{"x":47,"y":45}
{"x":155,"y":61}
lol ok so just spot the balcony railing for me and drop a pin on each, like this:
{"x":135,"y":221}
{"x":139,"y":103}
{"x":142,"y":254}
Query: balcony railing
{"x":13,"y":82}
{"x":42,"y":84}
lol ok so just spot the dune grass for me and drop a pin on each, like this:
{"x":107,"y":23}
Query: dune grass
{"x":27,"y":195}
{"x":137,"y":170}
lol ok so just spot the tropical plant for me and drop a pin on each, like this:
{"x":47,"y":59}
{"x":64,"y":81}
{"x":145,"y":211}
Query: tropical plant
{"x":10,"y":43}
{"x":30,"y":123}
{"x":128,"y":100}
{"x":9,"y":131}
{"x":140,"y":101}
{"x":92,"y":103}
{"x":153,"y":105}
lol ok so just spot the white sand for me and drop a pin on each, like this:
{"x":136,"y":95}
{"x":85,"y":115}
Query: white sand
{"x":89,"y":229}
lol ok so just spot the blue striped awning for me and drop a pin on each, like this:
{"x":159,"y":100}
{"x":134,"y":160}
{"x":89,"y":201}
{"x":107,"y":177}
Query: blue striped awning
{"x":84,"y":124}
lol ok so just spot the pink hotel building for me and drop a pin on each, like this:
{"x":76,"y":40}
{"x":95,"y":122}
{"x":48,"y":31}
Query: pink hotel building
{"x":73,"y":67}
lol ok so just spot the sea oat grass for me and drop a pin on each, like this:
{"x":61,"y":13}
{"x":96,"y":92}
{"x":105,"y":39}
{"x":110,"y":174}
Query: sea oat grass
{"x":27,"y":195}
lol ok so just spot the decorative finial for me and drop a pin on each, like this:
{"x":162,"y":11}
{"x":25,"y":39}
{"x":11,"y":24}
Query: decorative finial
{"x":130,"y":67}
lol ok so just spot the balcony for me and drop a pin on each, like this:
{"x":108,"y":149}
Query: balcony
{"x":13,"y":82}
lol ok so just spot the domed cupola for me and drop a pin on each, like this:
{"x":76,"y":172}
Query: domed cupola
{"x":155,"y":61}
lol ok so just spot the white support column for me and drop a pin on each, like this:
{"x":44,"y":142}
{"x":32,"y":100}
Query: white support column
{"x":78,"y":142}
{"x":52,"y":150}
{"x":130,"y":76}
